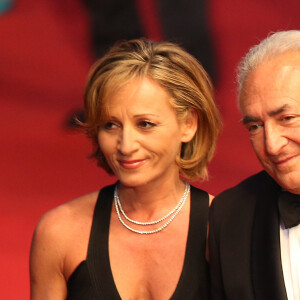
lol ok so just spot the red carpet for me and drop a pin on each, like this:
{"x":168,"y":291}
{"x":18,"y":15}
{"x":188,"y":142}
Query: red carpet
{"x":44,"y":59}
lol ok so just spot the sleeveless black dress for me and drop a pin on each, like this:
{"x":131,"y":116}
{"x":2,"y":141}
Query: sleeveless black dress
{"x":93,"y":278}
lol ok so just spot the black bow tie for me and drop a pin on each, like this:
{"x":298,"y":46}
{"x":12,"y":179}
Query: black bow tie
{"x":289,"y":208}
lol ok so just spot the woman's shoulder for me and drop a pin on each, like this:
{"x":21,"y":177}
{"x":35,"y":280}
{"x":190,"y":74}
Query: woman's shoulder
{"x":68,"y":214}
{"x":59,"y":243}
{"x":204,"y":193}
{"x":58,"y":226}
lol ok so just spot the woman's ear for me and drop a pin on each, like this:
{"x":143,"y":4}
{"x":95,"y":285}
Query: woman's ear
{"x":189,"y":126}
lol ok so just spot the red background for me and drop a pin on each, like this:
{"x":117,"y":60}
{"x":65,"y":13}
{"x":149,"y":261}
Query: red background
{"x":45,"y":54}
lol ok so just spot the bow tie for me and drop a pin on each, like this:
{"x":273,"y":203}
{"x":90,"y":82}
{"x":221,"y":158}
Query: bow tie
{"x":289,"y":208}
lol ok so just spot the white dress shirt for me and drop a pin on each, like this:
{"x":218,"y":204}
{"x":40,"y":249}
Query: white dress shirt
{"x":290,"y":257}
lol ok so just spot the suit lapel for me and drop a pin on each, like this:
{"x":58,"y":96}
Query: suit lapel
{"x":267,"y":272}
{"x":235,"y":245}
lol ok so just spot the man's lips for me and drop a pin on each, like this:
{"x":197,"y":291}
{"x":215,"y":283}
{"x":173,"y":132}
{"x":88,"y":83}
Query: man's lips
{"x":131,"y":164}
{"x":284,"y":160}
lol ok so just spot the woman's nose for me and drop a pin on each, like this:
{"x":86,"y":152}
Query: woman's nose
{"x":127,"y":143}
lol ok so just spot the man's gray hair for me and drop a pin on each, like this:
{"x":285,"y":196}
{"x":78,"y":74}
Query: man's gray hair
{"x":275,"y":44}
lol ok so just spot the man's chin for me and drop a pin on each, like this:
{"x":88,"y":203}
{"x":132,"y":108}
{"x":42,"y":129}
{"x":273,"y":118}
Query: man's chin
{"x":289,"y":182}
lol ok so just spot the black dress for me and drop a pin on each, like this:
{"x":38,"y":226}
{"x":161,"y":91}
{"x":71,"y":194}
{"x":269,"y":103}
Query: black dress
{"x":93,"y":278}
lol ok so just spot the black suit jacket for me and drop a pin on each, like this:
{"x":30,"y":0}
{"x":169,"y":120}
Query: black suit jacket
{"x":244,"y":242}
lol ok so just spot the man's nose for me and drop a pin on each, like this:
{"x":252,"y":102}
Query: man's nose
{"x":127,"y":143}
{"x":274,"y":139}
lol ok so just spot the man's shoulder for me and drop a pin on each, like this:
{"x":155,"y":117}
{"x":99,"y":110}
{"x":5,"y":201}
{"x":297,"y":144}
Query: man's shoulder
{"x":244,"y":191}
{"x":249,"y":184}
{"x":236,"y":205}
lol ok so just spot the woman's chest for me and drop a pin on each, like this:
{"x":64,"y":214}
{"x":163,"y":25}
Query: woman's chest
{"x":147,"y":267}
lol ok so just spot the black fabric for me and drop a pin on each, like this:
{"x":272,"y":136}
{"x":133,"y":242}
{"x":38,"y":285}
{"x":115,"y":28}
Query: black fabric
{"x":79,"y":284}
{"x":181,"y":21}
{"x":289,"y":208}
{"x":187,"y":23}
{"x":93,"y":278}
{"x":245,"y":261}
{"x":112,"y":20}
{"x":266,"y":255}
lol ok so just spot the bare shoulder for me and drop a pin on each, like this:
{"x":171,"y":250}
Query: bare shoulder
{"x":54,"y":236}
{"x":62,"y":219}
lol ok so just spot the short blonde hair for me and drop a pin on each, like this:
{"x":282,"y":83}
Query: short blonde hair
{"x":179,"y":73}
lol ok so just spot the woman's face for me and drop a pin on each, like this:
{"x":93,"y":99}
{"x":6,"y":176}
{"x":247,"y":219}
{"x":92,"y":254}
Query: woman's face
{"x":142,"y":135}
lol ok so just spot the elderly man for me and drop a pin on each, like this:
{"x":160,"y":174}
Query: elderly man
{"x":254,"y":227}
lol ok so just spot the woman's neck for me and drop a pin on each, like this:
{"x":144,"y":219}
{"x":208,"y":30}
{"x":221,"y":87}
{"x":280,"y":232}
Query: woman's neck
{"x":151,"y":200}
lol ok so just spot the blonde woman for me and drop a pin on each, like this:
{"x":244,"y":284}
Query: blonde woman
{"x":152,"y":119}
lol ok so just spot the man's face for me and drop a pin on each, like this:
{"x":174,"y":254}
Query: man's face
{"x":270,"y":104}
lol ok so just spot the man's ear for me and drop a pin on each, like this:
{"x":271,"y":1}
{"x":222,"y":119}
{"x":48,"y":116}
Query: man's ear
{"x":189,"y":126}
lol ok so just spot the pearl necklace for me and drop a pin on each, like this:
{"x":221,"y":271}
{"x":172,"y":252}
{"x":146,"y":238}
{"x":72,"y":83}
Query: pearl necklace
{"x":173,"y":212}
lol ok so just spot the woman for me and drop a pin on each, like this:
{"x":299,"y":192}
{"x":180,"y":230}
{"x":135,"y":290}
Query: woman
{"x":152,"y":119}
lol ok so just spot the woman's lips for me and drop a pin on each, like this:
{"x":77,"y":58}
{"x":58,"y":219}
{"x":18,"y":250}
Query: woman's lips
{"x":131,"y":164}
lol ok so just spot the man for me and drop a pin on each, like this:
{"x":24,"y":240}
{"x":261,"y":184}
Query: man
{"x":254,"y":227}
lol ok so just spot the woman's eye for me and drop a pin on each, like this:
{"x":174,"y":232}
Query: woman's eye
{"x":110,"y":125}
{"x":146,"y":124}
